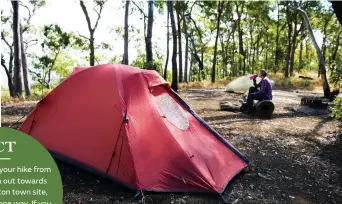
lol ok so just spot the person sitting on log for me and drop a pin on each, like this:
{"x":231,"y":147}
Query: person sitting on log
{"x":265,"y":92}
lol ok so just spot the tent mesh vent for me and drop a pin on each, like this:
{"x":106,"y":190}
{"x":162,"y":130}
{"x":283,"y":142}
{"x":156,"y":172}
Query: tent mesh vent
{"x":173,"y":112}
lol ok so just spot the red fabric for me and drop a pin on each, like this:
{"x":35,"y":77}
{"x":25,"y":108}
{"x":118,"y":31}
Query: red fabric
{"x":83,"y":119}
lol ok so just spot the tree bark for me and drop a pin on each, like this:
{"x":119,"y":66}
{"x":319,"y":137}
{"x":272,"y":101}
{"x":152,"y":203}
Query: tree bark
{"x":276,"y":61}
{"x":198,"y":59}
{"x":91,"y":30}
{"x":266,"y":53}
{"x":224,"y":56}
{"x":333,"y":57}
{"x":337,"y":7}
{"x":301,"y":55}
{"x":241,"y":51}
{"x":149,"y":54}
{"x":180,"y":59}
{"x":219,"y":12}
{"x":174,"y":84}
{"x":293,"y":50}
{"x":9,"y":77}
{"x":232,"y":69}
{"x":10,"y":64}
{"x":324,"y":47}
{"x":326,"y":88}
{"x":125,"y":61}
{"x":289,"y":45}
{"x":17,"y":79}
{"x":185,"y":28}
{"x":301,"y":46}
{"x":24,"y":64}
{"x":167,"y":46}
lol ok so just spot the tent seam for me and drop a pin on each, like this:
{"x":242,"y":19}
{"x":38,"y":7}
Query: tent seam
{"x":126,"y":127}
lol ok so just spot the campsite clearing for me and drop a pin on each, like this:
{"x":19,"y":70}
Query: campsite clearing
{"x":295,"y":157}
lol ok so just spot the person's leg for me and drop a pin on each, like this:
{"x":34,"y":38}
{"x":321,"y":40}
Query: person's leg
{"x":252,"y":89}
{"x":249,"y":103}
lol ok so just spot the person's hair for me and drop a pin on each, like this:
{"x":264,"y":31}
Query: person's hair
{"x":263,"y":72}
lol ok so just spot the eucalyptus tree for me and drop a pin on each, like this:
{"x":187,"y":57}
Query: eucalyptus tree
{"x":98,"y":8}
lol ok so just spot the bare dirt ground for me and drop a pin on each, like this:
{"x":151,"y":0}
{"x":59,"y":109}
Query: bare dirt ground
{"x":296,"y":158}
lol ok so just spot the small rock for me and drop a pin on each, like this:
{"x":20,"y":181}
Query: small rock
{"x":121,"y":198}
{"x":292,"y":197}
{"x":252,"y":186}
{"x":288,"y":178}
{"x":263,"y":176}
{"x":182,"y":201}
{"x":91,"y":199}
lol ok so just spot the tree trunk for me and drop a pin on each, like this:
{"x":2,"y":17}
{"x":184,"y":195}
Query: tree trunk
{"x":9,"y":70}
{"x":324,"y":42}
{"x":174,"y":84}
{"x":333,"y":57}
{"x":326,"y":88}
{"x":240,"y":46}
{"x":251,"y":48}
{"x":180,"y":59}
{"x":125,"y":61}
{"x":293,"y":50}
{"x":185,"y":28}
{"x":92,"y":49}
{"x":224,"y":56}
{"x":232,"y":69}
{"x":301,"y":47}
{"x":219,"y":12}
{"x":167,"y":45}
{"x":92,"y":30}
{"x":337,"y":7}
{"x":190,"y":68}
{"x":198,"y":59}
{"x":24,"y":64}
{"x":17,"y":79}
{"x":241,"y":51}
{"x":9,"y":77}
{"x":289,"y":48}
{"x":276,"y":61}
{"x":307,"y":53}
{"x":301,"y":55}
{"x":149,"y":54}
{"x":266,"y":53}
{"x":240,"y":34}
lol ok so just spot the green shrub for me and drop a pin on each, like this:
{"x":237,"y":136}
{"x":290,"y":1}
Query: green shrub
{"x":337,"y":109}
{"x":336,"y":76}
{"x":305,"y":83}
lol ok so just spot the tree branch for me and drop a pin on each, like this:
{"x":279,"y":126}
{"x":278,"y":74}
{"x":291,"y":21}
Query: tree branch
{"x":3,"y":63}
{"x":306,"y":18}
{"x":4,"y":39}
{"x":86,"y":14}
{"x":28,"y":43}
{"x":82,"y":35}
{"x":29,"y":11}
{"x":141,"y":11}
{"x":98,"y":16}
{"x":197,"y":29}
{"x":132,"y":36}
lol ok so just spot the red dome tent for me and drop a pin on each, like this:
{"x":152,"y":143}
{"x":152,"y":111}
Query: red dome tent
{"x":128,"y":125}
